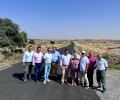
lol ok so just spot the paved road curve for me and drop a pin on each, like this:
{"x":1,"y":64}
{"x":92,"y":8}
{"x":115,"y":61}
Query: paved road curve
{"x":13,"y":88}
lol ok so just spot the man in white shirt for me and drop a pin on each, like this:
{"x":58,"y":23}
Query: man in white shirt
{"x":102,"y":66}
{"x":37,"y":63}
{"x":27,"y":62}
{"x":48,"y":58}
{"x":84,"y":62}
{"x":64,"y":63}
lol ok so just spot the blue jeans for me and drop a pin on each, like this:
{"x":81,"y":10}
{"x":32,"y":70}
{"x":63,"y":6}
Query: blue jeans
{"x":47,"y":71}
{"x":38,"y":68}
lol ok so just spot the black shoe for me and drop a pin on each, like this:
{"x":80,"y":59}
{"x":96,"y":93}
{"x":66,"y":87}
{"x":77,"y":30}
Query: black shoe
{"x":30,"y":79}
{"x":99,"y":86}
{"x":81,"y":84}
{"x":103,"y":91}
{"x":92,"y":87}
{"x":66,"y":81}
{"x":35,"y":80}
{"x":39,"y":79}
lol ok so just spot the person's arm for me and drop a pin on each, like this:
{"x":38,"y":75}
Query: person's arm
{"x":33,"y":60}
{"x":87,"y":64}
{"x":24,"y":57}
{"x":44,"y":57}
{"x":86,"y":67}
{"x":95,"y":65}
{"x":61,"y":61}
{"x":59,"y":56}
{"x":70,"y":59}
{"x":79,"y":65}
{"x":69,"y":67}
{"x":51,"y":57}
{"x":106,"y":65}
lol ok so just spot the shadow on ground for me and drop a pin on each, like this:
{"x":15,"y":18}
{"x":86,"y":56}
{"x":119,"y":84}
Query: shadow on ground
{"x":12,"y":87}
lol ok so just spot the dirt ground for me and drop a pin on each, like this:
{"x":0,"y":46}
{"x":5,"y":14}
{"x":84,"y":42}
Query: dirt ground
{"x":113,"y":86}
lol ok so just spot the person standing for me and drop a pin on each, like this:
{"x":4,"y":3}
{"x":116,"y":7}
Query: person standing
{"x":27,"y":62}
{"x":84,"y":62}
{"x":37,"y":63}
{"x":78,"y":57}
{"x":91,"y":68}
{"x":101,"y":65}
{"x":74,"y":63}
{"x":48,"y":58}
{"x":55,"y":61}
{"x":74,"y":52}
{"x":64,"y":63}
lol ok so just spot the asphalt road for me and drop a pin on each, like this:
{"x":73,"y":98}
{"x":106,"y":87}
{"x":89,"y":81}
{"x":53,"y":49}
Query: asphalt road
{"x":13,"y":88}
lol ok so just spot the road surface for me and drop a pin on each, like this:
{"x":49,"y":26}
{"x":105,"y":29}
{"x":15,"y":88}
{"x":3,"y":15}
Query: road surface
{"x":13,"y":88}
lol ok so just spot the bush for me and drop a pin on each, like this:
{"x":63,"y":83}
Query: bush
{"x":115,"y":67}
{"x":106,"y":55}
{"x":31,"y":41}
{"x":52,"y":42}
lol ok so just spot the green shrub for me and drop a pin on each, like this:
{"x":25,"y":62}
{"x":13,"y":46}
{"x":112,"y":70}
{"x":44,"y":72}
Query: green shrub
{"x":115,"y":67}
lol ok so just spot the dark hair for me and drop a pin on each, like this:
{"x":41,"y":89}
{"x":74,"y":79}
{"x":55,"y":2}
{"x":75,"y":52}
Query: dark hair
{"x":48,"y":49}
{"x":38,"y":47}
{"x":54,"y":48}
{"x":29,"y":46}
{"x":66,"y":50}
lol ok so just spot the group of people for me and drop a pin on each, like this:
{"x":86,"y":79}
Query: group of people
{"x":81,"y":67}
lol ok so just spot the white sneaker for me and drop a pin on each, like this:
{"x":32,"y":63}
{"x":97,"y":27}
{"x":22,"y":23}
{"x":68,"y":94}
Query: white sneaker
{"x":24,"y":80}
{"x":48,"y":80}
{"x":44,"y":82}
{"x":87,"y":87}
{"x":75,"y":84}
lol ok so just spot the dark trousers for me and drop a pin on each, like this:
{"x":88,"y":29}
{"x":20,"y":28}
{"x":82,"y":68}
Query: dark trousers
{"x":101,"y":78}
{"x":38,"y":70}
{"x":90,"y":73}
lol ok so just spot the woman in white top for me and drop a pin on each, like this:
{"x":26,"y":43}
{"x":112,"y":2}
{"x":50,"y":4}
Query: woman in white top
{"x":75,"y":53}
{"x":64,"y":63}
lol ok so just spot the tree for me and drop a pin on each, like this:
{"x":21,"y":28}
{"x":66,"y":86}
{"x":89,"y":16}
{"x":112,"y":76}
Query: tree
{"x":52,"y":42}
{"x":10,"y":35}
{"x":20,"y":40}
{"x":4,"y":41}
{"x":25,"y":35}
{"x":31,"y":41}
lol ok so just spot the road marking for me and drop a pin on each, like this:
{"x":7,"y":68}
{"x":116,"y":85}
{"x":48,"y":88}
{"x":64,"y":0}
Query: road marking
{"x":5,"y":67}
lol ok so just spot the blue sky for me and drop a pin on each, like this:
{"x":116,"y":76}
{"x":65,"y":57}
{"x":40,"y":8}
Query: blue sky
{"x":65,"y":19}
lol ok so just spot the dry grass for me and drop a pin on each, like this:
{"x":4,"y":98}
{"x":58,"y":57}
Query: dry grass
{"x":97,"y":48}
{"x":46,"y":43}
{"x":101,"y":47}
{"x":43,"y":43}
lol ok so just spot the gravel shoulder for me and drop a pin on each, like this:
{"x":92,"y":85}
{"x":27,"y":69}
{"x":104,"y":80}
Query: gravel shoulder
{"x":7,"y":64}
{"x":113,"y":86}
